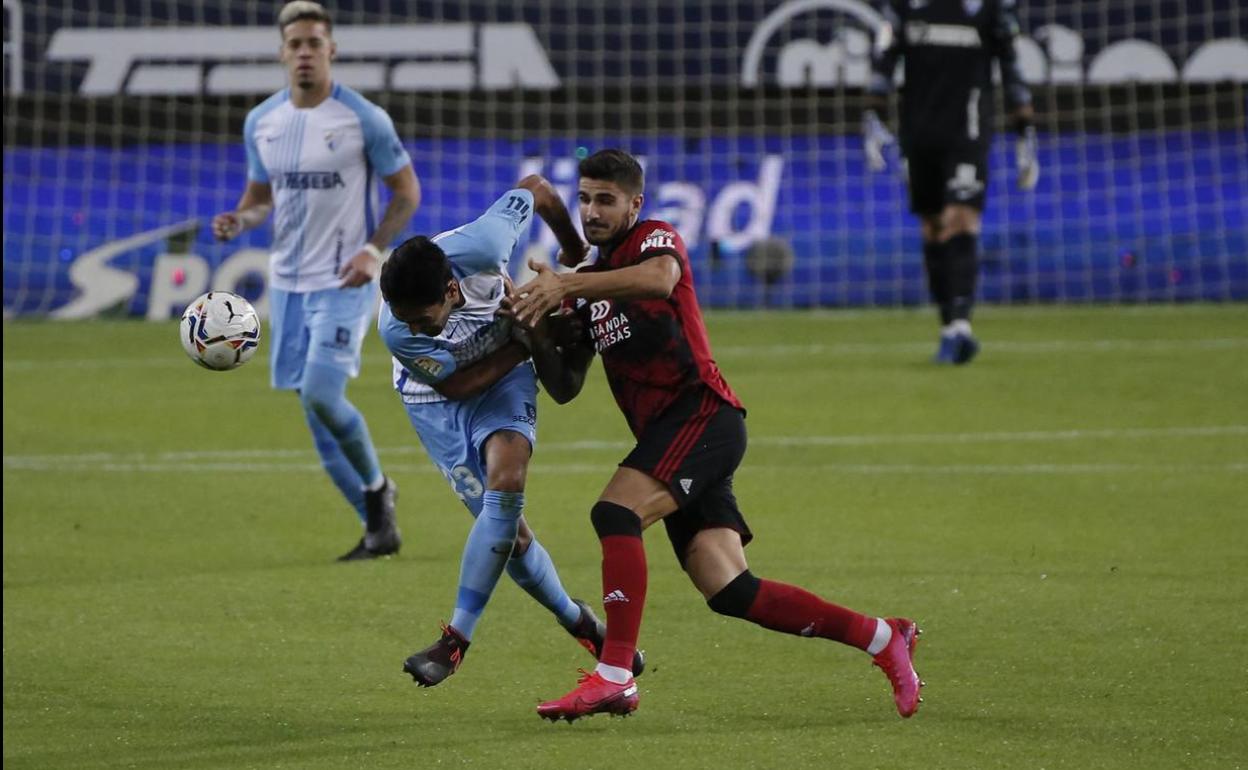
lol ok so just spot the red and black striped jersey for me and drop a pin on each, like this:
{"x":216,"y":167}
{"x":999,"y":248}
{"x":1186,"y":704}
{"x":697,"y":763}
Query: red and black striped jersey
{"x":653,"y":350}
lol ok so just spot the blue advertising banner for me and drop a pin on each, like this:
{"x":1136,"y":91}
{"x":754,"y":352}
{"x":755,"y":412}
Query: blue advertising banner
{"x":1092,"y":230}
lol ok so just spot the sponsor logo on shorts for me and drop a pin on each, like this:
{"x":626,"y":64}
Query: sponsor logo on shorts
{"x":686,"y":484}
{"x":529,"y":417}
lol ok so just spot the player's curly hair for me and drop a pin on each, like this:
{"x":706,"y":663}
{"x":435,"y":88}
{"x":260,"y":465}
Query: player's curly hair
{"x":416,"y":274}
{"x":303,"y":10}
{"x":615,"y":166}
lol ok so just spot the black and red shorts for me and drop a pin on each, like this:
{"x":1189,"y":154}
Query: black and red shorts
{"x":694,"y":447}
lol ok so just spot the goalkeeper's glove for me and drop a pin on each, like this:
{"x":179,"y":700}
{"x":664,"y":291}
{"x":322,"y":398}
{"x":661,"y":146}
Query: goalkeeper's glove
{"x":875,"y":137}
{"x":1025,"y":160}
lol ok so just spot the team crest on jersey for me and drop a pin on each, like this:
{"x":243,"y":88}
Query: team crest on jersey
{"x":331,"y":140}
{"x":428,"y":365}
{"x":659,"y":239}
{"x":972,"y":6}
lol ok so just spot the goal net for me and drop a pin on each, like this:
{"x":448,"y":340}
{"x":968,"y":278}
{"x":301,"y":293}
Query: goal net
{"x":122,"y":138}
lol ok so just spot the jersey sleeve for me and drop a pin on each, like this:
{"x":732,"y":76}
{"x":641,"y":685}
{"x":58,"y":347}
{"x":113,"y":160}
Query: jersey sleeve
{"x":381,"y":142}
{"x":256,"y":172}
{"x":887,"y":49}
{"x":487,"y":242}
{"x":662,"y":239}
{"x":1005,"y":32}
{"x":418,"y":354}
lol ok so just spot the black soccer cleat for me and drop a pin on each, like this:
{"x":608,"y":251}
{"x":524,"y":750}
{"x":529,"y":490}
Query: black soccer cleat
{"x":592,"y":633}
{"x":965,"y":348}
{"x":439,"y":660}
{"x":381,"y":533}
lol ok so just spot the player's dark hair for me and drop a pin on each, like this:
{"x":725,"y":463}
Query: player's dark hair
{"x":303,"y":10}
{"x":416,"y":274}
{"x":617,"y":167}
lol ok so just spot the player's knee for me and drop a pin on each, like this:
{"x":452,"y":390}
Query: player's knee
{"x":734,"y":599}
{"x":505,"y":479}
{"x":931,"y":228}
{"x":612,"y":519}
{"x":956,"y":220}
{"x":322,"y":405}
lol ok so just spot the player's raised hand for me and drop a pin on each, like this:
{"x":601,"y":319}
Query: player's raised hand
{"x":539,"y":296}
{"x":226,"y":225}
{"x":361,"y":268}
{"x":875,"y":138}
{"x":1026,"y":159}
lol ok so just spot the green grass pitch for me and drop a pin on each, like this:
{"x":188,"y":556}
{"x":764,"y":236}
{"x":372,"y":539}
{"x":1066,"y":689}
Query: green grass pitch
{"x":1067,"y":519}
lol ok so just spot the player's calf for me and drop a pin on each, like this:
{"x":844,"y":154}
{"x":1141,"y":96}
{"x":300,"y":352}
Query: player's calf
{"x":592,"y":634}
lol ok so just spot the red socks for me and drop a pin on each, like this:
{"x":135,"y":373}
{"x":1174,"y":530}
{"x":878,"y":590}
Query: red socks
{"x":623,"y":596}
{"x":782,"y":607}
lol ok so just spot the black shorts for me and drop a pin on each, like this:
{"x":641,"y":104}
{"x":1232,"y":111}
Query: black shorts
{"x":694,"y":447}
{"x":945,"y":175}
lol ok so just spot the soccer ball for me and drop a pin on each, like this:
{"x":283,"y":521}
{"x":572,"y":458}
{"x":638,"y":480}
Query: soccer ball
{"x":220,"y":331}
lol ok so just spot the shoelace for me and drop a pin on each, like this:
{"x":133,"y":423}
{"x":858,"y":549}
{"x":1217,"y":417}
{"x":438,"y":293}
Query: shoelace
{"x":454,"y":653}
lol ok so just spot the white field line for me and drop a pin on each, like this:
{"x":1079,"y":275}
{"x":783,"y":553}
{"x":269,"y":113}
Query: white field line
{"x":1027,"y":347}
{"x":604,"y":469}
{"x":300,"y":459}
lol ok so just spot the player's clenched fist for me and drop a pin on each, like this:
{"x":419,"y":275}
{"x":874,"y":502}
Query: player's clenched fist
{"x":225,"y":226}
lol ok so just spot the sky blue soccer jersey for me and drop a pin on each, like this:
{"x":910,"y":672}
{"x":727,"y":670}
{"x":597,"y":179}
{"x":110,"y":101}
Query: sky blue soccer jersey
{"x":322,"y":164}
{"x":479,"y":253}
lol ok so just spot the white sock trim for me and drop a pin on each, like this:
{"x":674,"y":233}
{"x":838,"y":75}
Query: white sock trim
{"x":883,"y":635}
{"x":614,"y":674}
{"x":376,"y":485}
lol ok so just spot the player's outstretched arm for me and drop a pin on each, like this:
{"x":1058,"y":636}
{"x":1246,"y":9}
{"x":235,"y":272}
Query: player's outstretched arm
{"x":550,"y":207}
{"x":655,"y":278}
{"x":252,"y":209}
{"x":477,"y":377}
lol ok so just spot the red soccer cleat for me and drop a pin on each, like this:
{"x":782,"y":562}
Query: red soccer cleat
{"x":593,"y":695}
{"x":897,"y":662}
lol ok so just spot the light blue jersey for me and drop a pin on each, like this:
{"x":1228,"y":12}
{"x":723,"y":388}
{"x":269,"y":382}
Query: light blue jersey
{"x":479,"y":252}
{"x":322,"y":165}
{"x":455,"y":433}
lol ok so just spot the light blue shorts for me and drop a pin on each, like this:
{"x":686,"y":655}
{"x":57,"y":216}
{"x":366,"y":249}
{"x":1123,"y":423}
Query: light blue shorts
{"x":325,"y":327}
{"x":454,"y":432}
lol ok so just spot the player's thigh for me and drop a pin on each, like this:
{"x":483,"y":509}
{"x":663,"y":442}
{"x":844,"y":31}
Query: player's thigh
{"x":443,"y":430}
{"x":641,"y":493}
{"x":506,"y":454}
{"x":715,"y":511}
{"x":338,"y":322}
{"x":925,"y":181}
{"x":965,"y":170}
{"x":288,"y":339}
{"x":692,"y":447}
{"x":502,"y":422}
{"x":714,"y":558}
